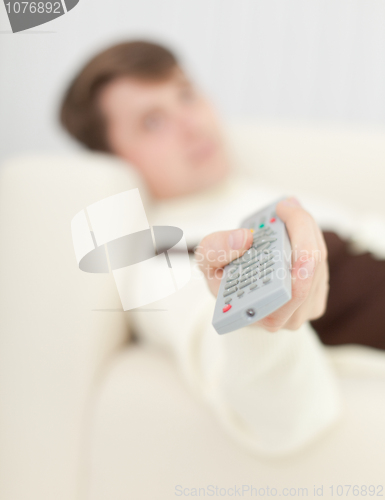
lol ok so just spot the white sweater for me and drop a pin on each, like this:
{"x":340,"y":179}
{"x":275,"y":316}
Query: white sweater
{"x":273,"y":392}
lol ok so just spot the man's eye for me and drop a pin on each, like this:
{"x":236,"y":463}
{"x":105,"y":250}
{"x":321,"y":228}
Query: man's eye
{"x":153,"y":122}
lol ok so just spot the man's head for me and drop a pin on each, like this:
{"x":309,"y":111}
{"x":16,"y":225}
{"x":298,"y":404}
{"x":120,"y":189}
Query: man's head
{"x":135,"y":101}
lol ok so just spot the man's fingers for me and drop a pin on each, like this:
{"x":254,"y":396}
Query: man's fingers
{"x":218,"y":249}
{"x":308,"y":302}
{"x":300,"y":291}
{"x":305,"y":259}
{"x":308,"y":257}
{"x":302,"y":231}
{"x":306,"y":254}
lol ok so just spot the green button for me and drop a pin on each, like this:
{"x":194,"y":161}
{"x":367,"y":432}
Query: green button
{"x":261,"y":225}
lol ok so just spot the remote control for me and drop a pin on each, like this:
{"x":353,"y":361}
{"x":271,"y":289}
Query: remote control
{"x":259,"y":282}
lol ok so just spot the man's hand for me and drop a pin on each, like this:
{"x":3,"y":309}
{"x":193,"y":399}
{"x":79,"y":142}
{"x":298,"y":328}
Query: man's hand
{"x":310,"y":272}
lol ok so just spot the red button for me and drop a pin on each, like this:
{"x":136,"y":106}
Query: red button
{"x":226,"y":308}
{"x":272,"y":219}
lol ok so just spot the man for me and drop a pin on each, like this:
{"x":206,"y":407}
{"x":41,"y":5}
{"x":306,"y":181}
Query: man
{"x":135,"y":101}
{"x":276,"y":392}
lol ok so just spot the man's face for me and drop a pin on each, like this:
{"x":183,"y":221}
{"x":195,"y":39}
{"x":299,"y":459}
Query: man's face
{"x":167,"y":130}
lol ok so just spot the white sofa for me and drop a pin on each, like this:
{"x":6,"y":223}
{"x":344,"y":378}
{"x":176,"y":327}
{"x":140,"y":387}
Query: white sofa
{"x":87,"y":415}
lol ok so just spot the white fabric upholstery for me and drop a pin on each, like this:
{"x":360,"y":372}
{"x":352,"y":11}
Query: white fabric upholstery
{"x":344,"y":165}
{"x":82,"y":416}
{"x":53,"y":346}
{"x":149,"y":435}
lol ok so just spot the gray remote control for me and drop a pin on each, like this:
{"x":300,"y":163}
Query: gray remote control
{"x":259,"y":282}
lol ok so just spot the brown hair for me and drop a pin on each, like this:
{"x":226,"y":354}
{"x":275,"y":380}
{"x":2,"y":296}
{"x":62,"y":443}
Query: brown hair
{"x":79,"y":113}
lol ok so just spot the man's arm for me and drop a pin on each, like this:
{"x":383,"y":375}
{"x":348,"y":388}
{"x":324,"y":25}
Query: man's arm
{"x":274,"y":392}
{"x":310,"y":274}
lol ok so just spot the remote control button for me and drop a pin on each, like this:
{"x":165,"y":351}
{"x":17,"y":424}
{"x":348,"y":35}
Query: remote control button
{"x":263,"y":247}
{"x":265,"y":273}
{"x":227,"y":301}
{"x":232,"y":270}
{"x":260,"y":255}
{"x":226,"y":308}
{"x":252,"y":287}
{"x":250,"y":265}
{"x":246,"y":256}
{"x":251,"y":269}
{"x":265,"y":234}
{"x":245,"y":283}
{"x":266,"y":258}
{"x":252,"y":261}
{"x":232,"y":277}
{"x":267,"y":264}
{"x":257,"y":246}
{"x":232,"y":283}
{"x":240,"y":293}
{"x":249,"y":254}
{"x":230,"y":291}
{"x":245,"y":277}
{"x":246,"y":268}
{"x":266,"y":280}
{"x":269,"y":238}
{"x":273,"y":219}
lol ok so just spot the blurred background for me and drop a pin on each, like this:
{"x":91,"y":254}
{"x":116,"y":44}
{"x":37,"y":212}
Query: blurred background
{"x":80,"y":410}
{"x":279,"y":60}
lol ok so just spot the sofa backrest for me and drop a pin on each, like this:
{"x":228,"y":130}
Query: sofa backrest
{"x":342,"y":164}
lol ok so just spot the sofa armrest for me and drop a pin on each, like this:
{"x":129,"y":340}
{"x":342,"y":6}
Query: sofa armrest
{"x":54,"y":337}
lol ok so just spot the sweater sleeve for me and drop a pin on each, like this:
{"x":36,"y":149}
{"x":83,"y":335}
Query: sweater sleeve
{"x":272,"y":392}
